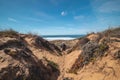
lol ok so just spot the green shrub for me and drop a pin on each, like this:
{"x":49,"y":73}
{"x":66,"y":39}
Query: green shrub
{"x":51,"y":63}
{"x":74,"y":71}
{"x":101,"y":49}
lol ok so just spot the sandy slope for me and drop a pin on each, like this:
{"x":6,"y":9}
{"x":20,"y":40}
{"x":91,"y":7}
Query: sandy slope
{"x":65,"y":62}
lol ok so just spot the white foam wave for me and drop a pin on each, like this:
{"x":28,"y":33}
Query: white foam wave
{"x":59,"y":38}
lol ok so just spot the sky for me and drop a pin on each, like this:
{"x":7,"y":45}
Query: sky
{"x":59,"y":17}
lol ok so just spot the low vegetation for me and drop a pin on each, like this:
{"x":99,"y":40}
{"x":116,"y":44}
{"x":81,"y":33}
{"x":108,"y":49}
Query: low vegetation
{"x":112,"y":32}
{"x":52,"y":64}
{"x":90,"y":52}
{"x":117,"y":54}
{"x":8,"y":33}
{"x":44,"y":44}
{"x":93,"y":50}
{"x":78,"y":45}
{"x":10,"y":52}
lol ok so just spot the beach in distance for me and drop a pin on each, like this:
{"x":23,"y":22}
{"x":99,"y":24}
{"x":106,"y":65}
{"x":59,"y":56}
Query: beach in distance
{"x":61,"y":37}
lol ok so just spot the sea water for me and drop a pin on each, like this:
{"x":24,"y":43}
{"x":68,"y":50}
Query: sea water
{"x":61,"y":37}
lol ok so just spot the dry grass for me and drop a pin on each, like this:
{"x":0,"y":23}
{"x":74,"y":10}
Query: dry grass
{"x":52,"y":64}
{"x":90,"y":52}
{"x":8,"y":33}
{"x":10,"y":52}
{"x":112,"y":32}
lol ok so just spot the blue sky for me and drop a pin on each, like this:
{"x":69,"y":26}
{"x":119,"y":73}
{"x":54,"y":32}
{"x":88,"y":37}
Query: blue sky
{"x":58,"y":17}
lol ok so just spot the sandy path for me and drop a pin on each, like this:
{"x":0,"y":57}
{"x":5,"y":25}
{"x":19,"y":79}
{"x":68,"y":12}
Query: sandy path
{"x":65,"y":63}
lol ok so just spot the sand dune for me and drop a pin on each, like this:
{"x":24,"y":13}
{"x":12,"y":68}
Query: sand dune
{"x":94,"y":57}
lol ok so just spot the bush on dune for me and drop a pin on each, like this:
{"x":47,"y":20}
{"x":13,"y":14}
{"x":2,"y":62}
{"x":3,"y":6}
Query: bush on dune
{"x":8,"y":33}
{"x":112,"y":32}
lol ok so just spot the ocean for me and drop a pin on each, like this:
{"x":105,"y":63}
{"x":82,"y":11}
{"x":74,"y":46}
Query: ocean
{"x":61,"y":37}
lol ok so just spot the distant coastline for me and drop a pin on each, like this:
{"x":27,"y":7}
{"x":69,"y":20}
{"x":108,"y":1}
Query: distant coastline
{"x":61,"y":37}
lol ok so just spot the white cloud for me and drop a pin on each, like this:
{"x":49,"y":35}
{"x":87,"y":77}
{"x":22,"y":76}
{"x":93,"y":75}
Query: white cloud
{"x":43,"y":15}
{"x":12,"y":19}
{"x":69,"y":24}
{"x":106,"y":6}
{"x":110,"y":6}
{"x":79,"y":17}
{"x":34,"y":19}
{"x":63,"y":13}
{"x":105,"y":12}
{"x":56,"y":2}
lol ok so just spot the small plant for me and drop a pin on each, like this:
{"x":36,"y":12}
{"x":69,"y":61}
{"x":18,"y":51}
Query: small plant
{"x":73,"y":71}
{"x":117,"y":54}
{"x":6,"y":50}
{"x":68,"y":78}
{"x":53,"y":64}
{"x":10,"y":52}
{"x":93,"y":59}
{"x":101,"y":49}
